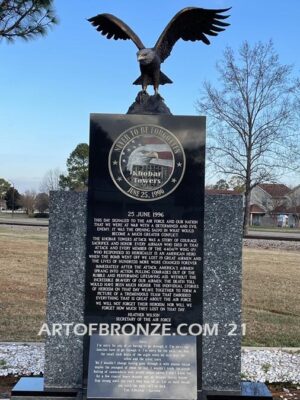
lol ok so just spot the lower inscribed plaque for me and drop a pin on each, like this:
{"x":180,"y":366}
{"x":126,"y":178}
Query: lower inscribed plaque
{"x":137,"y":367}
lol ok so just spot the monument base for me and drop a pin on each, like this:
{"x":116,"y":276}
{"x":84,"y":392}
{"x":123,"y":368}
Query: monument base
{"x":33,"y":389}
{"x":249,"y":391}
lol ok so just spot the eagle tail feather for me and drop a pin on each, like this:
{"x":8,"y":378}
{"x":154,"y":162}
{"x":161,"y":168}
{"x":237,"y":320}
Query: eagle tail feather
{"x":138,"y":81}
{"x":163,"y":79}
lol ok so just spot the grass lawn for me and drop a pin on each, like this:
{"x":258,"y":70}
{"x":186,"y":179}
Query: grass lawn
{"x":271,"y":297}
{"x":271,"y":294}
{"x":8,"y":217}
{"x":16,"y":215}
{"x":23,"y":269}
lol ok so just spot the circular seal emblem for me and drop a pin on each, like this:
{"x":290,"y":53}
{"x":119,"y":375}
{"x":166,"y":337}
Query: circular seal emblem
{"x":147,"y":162}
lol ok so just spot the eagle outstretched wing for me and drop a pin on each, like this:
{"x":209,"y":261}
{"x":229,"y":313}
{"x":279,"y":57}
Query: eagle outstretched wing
{"x":191,"y":23}
{"x":112,"y":27}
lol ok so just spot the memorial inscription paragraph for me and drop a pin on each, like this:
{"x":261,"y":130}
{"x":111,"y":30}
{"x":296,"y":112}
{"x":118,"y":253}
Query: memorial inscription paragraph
{"x":144,"y":264}
{"x":142,"y":367}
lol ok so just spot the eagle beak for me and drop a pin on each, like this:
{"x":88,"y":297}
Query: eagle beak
{"x":140,"y":58}
{"x":152,"y":154}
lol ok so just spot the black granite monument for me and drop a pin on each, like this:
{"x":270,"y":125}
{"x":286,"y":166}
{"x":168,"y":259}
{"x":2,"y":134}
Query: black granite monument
{"x":147,"y":263}
{"x":145,"y":244}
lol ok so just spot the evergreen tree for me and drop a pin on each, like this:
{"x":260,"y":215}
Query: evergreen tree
{"x":77,"y":166}
{"x":25,"y":19}
{"x":12,"y":198}
{"x":4,"y":186}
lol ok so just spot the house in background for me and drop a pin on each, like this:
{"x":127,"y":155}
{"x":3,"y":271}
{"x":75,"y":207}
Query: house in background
{"x":288,"y":213}
{"x":257,"y":213}
{"x":265,"y":197}
{"x":269,"y":195}
{"x":293,"y":197}
{"x":287,"y":216}
{"x":3,"y":205}
{"x":271,"y":204}
{"x":274,"y":204}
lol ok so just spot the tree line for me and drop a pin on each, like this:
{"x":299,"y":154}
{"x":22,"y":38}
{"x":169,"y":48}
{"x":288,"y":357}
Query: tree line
{"x":75,"y":179}
{"x":29,"y":201}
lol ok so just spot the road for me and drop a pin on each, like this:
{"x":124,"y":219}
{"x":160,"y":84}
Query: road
{"x":274,"y":235}
{"x":24,"y":221}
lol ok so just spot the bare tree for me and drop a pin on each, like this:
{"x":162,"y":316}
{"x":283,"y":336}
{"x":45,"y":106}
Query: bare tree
{"x":251,"y":117}
{"x":51,"y":180}
{"x":293,"y":204}
{"x":27,"y":201}
{"x":25,"y":18}
{"x":41,"y":202}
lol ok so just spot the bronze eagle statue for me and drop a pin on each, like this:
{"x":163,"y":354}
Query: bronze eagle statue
{"x":191,"y":23}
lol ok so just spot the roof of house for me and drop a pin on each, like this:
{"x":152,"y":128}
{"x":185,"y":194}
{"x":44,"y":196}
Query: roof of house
{"x":286,"y":210}
{"x":294,"y":210}
{"x":282,"y":209}
{"x":275,"y":190}
{"x":256,"y":209}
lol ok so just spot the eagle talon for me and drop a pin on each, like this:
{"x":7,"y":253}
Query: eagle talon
{"x":142,"y":96}
{"x":158,"y":96}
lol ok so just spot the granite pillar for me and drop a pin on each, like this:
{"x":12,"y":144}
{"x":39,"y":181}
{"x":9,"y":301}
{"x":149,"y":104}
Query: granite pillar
{"x":66,"y":276}
{"x":221,"y":354}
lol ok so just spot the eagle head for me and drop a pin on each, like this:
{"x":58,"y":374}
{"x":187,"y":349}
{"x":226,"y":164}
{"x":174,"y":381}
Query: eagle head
{"x":151,"y":154}
{"x":140,"y":157}
{"x":145,"y":56}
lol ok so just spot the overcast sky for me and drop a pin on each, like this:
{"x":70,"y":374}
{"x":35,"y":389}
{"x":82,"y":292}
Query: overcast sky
{"x":49,"y":86}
